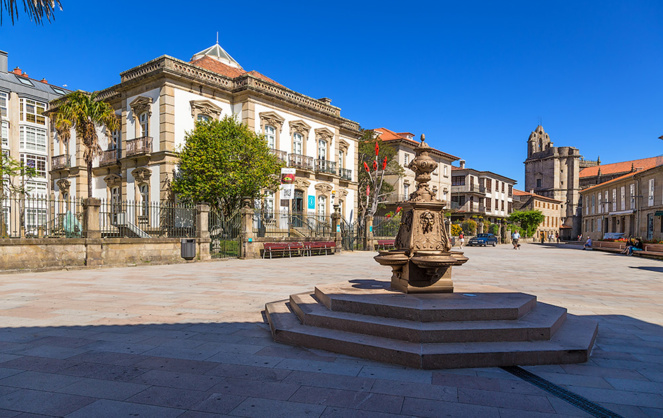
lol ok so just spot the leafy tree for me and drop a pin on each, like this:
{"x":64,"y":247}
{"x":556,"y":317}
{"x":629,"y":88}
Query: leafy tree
{"x":494,"y":229}
{"x":376,"y":158}
{"x":528,"y":220}
{"x":10,"y":171}
{"x":223,"y":162}
{"x":469,"y":226}
{"x":37,"y":10}
{"x":84,"y":113}
{"x":456,"y":230}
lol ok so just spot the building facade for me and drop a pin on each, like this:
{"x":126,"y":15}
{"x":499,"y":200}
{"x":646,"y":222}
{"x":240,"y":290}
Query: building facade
{"x":405,"y":144}
{"x":631,"y":204}
{"x":550,"y":208}
{"x":480,"y":193}
{"x":158,"y":102}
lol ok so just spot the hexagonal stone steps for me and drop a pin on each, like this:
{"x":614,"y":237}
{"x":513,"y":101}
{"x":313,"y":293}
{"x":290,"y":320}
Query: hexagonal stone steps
{"x":432,"y":330}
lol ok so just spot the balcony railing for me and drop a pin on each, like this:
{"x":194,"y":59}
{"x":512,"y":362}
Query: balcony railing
{"x":60,"y":161}
{"x":346,"y":174}
{"x":281,"y":155}
{"x":142,"y":145}
{"x":300,"y":161}
{"x":396,"y":198}
{"x":108,"y":157}
{"x":325,"y":166}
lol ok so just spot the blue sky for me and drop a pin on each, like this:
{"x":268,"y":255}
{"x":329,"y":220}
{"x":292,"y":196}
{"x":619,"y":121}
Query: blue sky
{"x":475,"y":76}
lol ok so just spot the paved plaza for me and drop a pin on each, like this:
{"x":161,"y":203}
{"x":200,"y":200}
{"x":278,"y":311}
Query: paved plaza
{"x":189,"y":340}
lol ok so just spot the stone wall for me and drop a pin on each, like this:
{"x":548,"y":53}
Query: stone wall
{"x":50,"y":253}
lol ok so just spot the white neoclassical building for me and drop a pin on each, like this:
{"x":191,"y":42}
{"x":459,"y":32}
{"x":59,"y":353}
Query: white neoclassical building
{"x":159,"y":101}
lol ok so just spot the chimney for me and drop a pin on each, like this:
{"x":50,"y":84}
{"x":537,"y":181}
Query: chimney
{"x":462,"y":163}
{"x":17,"y":71}
{"x":4,"y":62}
{"x":43,"y":80}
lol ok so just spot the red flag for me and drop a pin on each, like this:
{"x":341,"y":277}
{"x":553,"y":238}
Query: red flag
{"x":384,"y":163}
{"x":377,"y":148}
{"x":368,"y":189}
{"x":375,"y":166}
{"x":368,"y":170}
{"x":398,"y":209}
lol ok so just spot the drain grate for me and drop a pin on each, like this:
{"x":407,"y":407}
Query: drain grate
{"x":570,"y":397}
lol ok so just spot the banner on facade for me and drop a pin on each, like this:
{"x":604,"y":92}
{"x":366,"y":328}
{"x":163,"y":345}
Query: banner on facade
{"x":288,"y":183}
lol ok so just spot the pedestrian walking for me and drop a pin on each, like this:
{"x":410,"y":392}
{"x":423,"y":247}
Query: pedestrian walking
{"x":515,"y":237}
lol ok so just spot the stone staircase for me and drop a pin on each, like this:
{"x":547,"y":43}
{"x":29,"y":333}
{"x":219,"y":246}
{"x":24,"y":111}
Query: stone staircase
{"x":443,"y":330}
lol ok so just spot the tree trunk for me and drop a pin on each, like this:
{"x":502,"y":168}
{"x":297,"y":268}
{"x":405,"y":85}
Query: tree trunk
{"x":89,"y":179}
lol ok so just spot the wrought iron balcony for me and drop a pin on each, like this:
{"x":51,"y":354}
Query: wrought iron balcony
{"x":325,"y":166}
{"x":345,"y":173}
{"x":108,"y":157}
{"x":302,"y":162}
{"x":60,"y":162}
{"x":138,"y":146}
{"x":281,"y":155}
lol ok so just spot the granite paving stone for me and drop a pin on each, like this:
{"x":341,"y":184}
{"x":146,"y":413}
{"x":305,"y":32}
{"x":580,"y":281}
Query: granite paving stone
{"x":349,"y":399}
{"x":105,"y":408}
{"x":256,"y":407}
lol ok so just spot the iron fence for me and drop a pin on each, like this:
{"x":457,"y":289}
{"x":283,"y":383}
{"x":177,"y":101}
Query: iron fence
{"x":384,"y":226}
{"x":225,"y":233}
{"x":143,"y":219}
{"x":267,"y":223}
{"x":36,"y":216}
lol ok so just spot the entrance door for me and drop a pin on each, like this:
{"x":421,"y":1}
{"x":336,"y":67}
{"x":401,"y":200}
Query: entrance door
{"x":650,"y":226}
{"x":298,"y":209}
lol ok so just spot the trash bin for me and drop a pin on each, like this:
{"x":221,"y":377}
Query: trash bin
{"x":188,"y":248}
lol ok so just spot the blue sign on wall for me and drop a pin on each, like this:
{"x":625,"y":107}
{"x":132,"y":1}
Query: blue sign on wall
{"x":311,"y":202}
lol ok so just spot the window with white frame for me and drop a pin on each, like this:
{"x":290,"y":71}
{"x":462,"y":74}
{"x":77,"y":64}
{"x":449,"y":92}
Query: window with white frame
{"x":406,"y":190}
{"x":144,"y":191}
{"x":598,"y":202}
{"x":340,"y":159}
{"x":144,"y":124}
{"x":203,"y":117}
{"x":631,"y":189}
{"x":322,"y":206}
{"x":297,"y":144}
{"x":4,"y":104}
{"x":650,"y":201}
{"x":36,"y":189}
{"x":269,"y":205}
{"x":593,"y":204}
{"x":322,"y":149}
{"x":38,"y":162}
{"x":270,"y":136}
{"x":4,"y":134}
{"x":33,"y":139}
{"x":115,"y":203}
{"x":32,"y":111}
{"x":614,"y":200}
{"x":446,"y":172}
{"x":406,"y":159}
{"x":623,"y":198}
{"x":607,"y":202}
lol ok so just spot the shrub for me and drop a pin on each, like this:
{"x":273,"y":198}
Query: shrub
{"x":469,"y":227}
{"x":456,"y":230}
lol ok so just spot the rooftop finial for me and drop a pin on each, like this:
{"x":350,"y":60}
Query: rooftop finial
{"x":217,"y":37}
{"x":423,"y":138}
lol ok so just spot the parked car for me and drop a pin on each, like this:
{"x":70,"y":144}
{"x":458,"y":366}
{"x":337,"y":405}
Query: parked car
{"x":482,"y":240}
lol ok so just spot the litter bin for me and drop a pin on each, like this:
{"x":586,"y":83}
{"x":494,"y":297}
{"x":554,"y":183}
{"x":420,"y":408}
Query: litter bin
{"x":188,"y":249}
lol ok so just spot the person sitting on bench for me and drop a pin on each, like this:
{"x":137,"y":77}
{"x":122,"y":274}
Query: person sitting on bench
{"x":588,"y":244}
{"x":633,"y":245}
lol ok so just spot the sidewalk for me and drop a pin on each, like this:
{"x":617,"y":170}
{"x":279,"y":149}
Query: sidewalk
{"x":189,"y":340}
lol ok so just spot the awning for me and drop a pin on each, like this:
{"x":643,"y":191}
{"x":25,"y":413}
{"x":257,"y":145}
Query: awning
{"x":658,"y":213}
{"x":621,"y":212}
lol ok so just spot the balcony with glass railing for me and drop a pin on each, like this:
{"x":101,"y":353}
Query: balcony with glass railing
{"x":325,"y":166}
{"x":303,"y":162}
{"x":281,"y":155}
{"x":108,"y":157}
{"x":139,"y":146}
{"x":60,"y":162}
{"x":345,"y":173}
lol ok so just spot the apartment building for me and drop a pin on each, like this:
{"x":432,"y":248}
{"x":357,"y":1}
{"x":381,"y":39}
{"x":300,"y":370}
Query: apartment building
{"x":550,"y":208}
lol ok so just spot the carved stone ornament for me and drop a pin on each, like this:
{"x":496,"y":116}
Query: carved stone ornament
{"x":342,"y":193}
{"x":273,"y":119}
{"x":63,"y":185}
{"x":301,"y":184}
{"x":299,"y":127}
{"x":343,"y":145}
{"x":324,"y":133}
{"x":141,"y":175}
{"x":204,"y":107}
{"x":427,"y":220}
{"x":324,"y":188}
{"x":113,"y":180}
{"x":140,"y":105}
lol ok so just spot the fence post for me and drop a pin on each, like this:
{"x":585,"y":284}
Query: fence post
{"x":92,"y":232}
{"x":368,"y":233}
{"x":336,"y":227}
{"x":202,"y":231}
{"x":248,"y":246}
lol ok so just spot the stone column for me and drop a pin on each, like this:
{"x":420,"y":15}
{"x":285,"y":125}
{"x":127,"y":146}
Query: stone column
{"x":336,"y":227}
{"x":93,"y":250}
{"x":368,"y":234}
{"x":202,"y":231}
{"x":249,"y":248}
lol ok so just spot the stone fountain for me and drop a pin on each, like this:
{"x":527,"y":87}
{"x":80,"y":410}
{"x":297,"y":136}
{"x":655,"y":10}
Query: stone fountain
{"x":417,"y":319}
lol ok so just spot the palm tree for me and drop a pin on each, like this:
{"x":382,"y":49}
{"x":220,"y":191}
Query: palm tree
{"x":38,"y":10}
{"x":81,"y":111}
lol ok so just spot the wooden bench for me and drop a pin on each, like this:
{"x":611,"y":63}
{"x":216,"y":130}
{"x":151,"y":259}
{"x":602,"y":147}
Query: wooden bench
{"x":282,"y":248}
{"x":385,"y":244}
{"x":650,"y":250}
{"x":610,"y":246}
{"x":317,"y":247}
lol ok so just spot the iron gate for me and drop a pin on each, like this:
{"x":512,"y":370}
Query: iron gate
{"x":225,"y":235}
{"x":351,"y":235}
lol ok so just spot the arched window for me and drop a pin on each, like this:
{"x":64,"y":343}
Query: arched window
{"x":270,"y":136}
{"x":144,"y":124}
{"x":297,"y":144}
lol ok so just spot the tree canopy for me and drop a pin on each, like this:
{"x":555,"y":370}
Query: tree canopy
{"x":528,"y":220}
{"x":37,"y":10}
{"x":223,"y":162}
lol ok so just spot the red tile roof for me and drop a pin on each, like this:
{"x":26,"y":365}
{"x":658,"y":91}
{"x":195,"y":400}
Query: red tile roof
{"x":220,"y":68}
{"x":625,"y":176}
{"x":623,"y":167}
{"x":389,"y":135}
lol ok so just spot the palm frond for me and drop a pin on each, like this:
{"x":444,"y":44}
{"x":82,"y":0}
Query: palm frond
{"x":37,"y":10}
